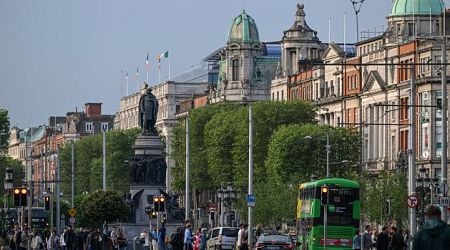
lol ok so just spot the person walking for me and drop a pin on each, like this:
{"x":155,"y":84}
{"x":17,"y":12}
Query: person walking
{"x":203,"y":238}
{"x":36,"y":240}
{"x":144,"y":239}
{"x":383,"y":239}
{"x":177,"y":240}
{"x":397,"y":242}
{"x":154,"y":239}
{"x":239,"y":235}
{"x":367,"y":239}
{"x":244,"y":236}
{"x":52,"y":241}
{"x":162,"y":236}
{"x":188,"y":237}
{"x":434,"y":234}
{"x":356,"y":242}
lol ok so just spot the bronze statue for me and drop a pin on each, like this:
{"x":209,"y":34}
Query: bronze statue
{"x":148,"y":111}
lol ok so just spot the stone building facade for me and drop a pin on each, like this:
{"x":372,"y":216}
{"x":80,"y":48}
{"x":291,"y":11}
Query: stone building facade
{"x":370,"y":89}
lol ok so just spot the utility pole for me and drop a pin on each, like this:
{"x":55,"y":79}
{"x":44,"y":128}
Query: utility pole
{"x":412,"y":149}
{"x":73,"y":175}
{"x":58,"y":191}
{"x":444,"y":155}
{"x":104,"y":160}
{"x":250,"y":173}
{"x":328,"y":147}
{"x":188,"y":172}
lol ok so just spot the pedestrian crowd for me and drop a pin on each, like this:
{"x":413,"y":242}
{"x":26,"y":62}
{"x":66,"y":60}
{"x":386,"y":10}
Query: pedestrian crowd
{"x":434,"y":234}
{"x":17,"y":238}
{"x":183,"y":238}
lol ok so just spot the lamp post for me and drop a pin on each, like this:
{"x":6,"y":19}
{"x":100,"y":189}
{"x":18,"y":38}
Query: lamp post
{"x":425,"y":184}
{"x":226,"y":196}
{"x":8,"y":184}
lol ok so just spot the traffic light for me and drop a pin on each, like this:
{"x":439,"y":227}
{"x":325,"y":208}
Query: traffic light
{"x":20,"y":196}
{"x":154,"y":215}
{"x":156,"y":202}
{"x":162,"y":202}
{"x":324,"y":195}
{"x":16,"y":196}
{"x":47,"y":202}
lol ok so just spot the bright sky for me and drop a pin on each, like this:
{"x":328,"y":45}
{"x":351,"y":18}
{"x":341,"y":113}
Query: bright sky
{"x":57,"y":55}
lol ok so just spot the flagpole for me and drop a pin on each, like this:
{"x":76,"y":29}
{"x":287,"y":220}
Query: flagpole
{"x":159,"y":70}
{"x":121,"y":85}
{"x":137,"y":79}
{"x":147,"y":65}
{"x":169,"y":63}
{"x":126,"y":79}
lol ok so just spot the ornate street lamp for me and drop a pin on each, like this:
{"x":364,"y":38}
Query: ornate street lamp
{"x":425,"y":184}
{"x":8,"y":184}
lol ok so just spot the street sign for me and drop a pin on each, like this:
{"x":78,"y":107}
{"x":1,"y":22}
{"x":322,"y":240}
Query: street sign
{"x":443,"y":188}
{"x":72,"y":220}
{"x":250,"y":200}
{"x":444,"y":201}
{"x":72,"y":212}
{"x":412,"y":201}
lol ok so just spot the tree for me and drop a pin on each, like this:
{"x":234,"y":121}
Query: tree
{"x":89,"y":162}
{"x":198,"y":118}
{"x":377,"y":189}
{"x":101,"y":206}
{"x":4,"y":131}
{"x":292,"y":159}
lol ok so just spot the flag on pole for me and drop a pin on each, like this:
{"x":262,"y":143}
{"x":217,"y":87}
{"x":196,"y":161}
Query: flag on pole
{"x":147,"y":63}
{"x":137,"y":73}
{"x":163,"y":55}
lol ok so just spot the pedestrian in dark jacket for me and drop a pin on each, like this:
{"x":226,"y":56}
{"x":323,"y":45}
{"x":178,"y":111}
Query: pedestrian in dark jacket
{"x":434,"y":234}
{"x":383,"y":239}
{"x":176,"y":240}
{"x":397,"y":242}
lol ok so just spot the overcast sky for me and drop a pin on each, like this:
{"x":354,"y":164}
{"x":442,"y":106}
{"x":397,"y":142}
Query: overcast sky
{"x":56,"y":55}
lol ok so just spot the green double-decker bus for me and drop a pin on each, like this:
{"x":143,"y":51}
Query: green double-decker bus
{"x":343,"y":214}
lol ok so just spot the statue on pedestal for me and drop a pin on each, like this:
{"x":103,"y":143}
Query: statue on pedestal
{"x":148,"y":111}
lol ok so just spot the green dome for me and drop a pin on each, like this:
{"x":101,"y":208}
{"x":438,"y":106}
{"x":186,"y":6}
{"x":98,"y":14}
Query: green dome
{"x":243,"y":30}
{"x":416,"y":7}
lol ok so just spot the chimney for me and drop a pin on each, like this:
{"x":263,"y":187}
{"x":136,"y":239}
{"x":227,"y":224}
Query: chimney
{"x":93,"y":109}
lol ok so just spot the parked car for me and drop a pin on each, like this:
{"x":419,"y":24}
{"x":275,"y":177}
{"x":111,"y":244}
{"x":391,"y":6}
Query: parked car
{"x":274,"y":242}
{"x":222,"y":238}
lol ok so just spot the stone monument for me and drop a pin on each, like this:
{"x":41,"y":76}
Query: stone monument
{"x":147,"y":169}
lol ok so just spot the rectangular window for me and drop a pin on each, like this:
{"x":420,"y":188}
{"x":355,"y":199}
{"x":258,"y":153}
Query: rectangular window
{"x":282,"y":95}
{"x":235,"y":63}
{"x":404,"y":140}
{"x":411,"y":29}
{"x":404,"y":109}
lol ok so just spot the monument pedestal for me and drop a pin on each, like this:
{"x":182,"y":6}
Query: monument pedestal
{"x":148,"y":145}
{"x":144,"y":197}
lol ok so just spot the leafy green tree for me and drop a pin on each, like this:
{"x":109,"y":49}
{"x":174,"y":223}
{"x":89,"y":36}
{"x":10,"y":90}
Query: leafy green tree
{"x":198,"y":118}
{"x":297,"y":152}
{"x":379,"y":188}
{"x":89,"y":162}
{"x":4,"y":131}
{"x":100,"y":206}
{"x":293,"y":159}
{"x":18,"y":174}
